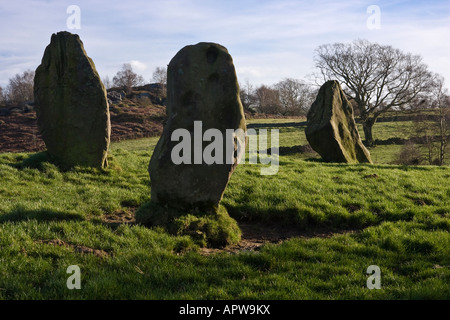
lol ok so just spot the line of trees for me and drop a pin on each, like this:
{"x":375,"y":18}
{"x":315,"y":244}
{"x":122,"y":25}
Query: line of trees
{"x":288,"y":97}
{"x":19,"y":89}
{"x":126,"y":78}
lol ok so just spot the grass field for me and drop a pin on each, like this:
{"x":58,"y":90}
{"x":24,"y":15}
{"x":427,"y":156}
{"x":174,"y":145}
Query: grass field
{"x":348,"y":217}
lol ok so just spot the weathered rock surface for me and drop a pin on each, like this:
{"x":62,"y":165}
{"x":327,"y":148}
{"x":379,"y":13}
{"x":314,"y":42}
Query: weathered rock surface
{"x":331,"y":129}
{"x":71,"y":104}
{"x":202,"y":86}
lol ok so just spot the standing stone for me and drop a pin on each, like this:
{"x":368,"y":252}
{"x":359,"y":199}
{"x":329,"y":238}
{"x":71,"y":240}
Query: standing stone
{"x":72,"y":108}
{"x":201,"y":86}
{"x":331,"y":129}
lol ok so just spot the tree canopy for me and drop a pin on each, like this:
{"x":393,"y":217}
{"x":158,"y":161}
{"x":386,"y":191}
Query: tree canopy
{"x":377,"y":77}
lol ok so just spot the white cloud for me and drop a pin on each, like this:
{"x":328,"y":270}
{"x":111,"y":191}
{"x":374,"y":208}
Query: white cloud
{"x":138,"y":66}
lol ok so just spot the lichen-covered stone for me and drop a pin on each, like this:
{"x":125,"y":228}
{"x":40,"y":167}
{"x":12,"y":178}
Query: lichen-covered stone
{"x":331,"y":129}
{"x":201,"y":86}
{"x":71,"y":104}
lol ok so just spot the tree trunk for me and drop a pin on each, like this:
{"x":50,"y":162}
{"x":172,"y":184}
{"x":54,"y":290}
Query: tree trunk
{"x":442,"y":139}
{"x":429,"y":143}
{"x":367,"y":128}
{"x":367,"y":123}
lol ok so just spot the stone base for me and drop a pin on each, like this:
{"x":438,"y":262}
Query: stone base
{"x":211,"y":229}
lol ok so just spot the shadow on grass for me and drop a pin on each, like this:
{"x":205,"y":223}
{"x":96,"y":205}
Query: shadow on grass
{"x":316,"y":160}
{"x":277,"y":125}
{"x":337,"y":164}
{"x":361,"y":166}
{"x":34,"y":161}
{"x":41,"y":160}
{"x":22,"y":214}
{"x":284,"y":151}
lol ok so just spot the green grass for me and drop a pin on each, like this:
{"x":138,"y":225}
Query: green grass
{"x":399,"y":219}
{"x":314,"y":194}
{"x":386,"y":130}
{"x":294,"y":135}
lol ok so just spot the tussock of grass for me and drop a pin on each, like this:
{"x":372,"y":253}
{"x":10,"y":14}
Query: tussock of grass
{"x":215,"y":229}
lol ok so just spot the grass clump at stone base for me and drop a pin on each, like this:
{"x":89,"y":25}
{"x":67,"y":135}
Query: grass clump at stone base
{"x":207,"y":229}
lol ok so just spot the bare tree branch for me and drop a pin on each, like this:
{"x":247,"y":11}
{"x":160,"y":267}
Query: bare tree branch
{"x":378,"y":78}
{"x":20,"y":87}
{"x":127,"y":78}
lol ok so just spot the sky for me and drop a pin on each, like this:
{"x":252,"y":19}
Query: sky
{"x":269,"y":40}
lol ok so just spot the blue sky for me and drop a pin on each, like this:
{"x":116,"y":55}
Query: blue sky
{"x":268,"y":39}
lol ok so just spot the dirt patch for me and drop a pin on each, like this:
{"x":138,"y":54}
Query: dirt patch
{"x":420,"y":202}
{"x":371,"y":176}
{"x":243,"y":245}
{"x":76,"y":248}
{"x":19,"y":131}
{"x":134,"y":121}
{"x":254,"y":236}
{"x":353,"y":208}
{"x":120,"y":217}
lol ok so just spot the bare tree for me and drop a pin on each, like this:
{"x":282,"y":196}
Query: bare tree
{"x":107,"y":83}
{"x":378,"y":78}
{"x":424,"y":129}
{"x":20,"y":87}
{"x":432,"y":122}
{"x":441,"y":103}
{"x":127,"y":78}
{"x":247,"y":95}
{"x":2,"y":98}
{"x":160,"y":77}
{"x":268,"y":100}
{"x":296,"y":96}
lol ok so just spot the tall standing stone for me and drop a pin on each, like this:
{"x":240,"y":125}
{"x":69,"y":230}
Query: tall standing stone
{"x":71,"y":104}
{"x":201,"y":86}
{"x":331,"y":129}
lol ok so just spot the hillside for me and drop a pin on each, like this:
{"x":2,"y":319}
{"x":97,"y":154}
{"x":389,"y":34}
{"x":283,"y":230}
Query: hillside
{"x":135,"y":115}
{"x":139,"y":114}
